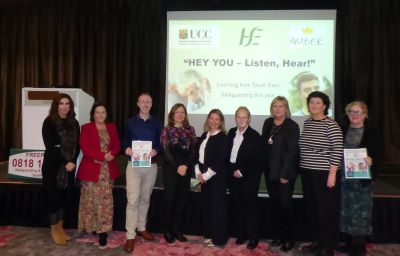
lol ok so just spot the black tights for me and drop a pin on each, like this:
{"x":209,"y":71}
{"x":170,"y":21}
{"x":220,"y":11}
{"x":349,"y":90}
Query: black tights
{"x":55,"y":217}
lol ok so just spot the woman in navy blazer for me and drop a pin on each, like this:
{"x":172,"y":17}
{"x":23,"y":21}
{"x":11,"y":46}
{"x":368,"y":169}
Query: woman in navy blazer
{"x":98,"y":169}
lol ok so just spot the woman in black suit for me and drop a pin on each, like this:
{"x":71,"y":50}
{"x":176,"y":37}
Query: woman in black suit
{"x":210,"y":171}
{"x":244,"y":175}
{"x":280,"y":136}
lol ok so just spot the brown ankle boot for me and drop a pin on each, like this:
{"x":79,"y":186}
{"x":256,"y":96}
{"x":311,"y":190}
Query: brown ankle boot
{"x":57,"y":236}
{"x":62,"y":231}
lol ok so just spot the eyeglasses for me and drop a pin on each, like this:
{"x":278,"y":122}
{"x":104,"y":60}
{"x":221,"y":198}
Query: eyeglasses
{"x":355,"y":113}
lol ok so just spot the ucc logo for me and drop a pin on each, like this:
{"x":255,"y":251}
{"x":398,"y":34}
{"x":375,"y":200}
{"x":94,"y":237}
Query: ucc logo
{"x":201,"y":34}
{"x":251,"y":38}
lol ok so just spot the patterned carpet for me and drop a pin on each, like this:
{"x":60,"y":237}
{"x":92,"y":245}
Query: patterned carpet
{"x":24,"y":241}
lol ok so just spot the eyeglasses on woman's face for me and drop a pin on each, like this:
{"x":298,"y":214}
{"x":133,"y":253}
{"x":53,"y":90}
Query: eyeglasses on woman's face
{"x":355,"y":112}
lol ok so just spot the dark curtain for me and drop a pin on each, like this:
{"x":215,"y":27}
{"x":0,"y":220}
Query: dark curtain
{"x":368,"y":62}
{"x":114,"y":49}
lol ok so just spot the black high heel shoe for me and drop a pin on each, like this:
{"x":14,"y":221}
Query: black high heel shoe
{"x":287,"y":246}
{"x":252,"y":244}
{"x":103,"y":239}
{"x":169,"y":238}
{"x":179,"y":237}
{"x":276,"y":242}
{"x":240,"y":240}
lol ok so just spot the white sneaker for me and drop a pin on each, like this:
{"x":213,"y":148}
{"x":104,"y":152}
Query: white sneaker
{"x":207,"y":240}
{"x":210,"y":244}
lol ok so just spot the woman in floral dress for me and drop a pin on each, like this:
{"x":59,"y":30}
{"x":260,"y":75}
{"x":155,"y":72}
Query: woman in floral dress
{"x":100,"y":145}
{"x":356,"y":200}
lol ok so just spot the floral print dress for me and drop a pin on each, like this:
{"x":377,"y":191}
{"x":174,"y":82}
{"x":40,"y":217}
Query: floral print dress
{"x":96,"y":206}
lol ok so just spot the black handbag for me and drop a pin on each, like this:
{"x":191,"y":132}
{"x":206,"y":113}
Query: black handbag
{"x":62,"y":179}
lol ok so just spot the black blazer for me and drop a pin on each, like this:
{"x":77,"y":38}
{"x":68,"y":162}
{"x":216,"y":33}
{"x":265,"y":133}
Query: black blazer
{"x":369,"y":140}
{"x":281,"y":159}
{"x":214,"y":153}
{"x":248,"y":159}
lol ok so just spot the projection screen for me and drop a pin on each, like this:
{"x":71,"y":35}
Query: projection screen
{"x":227,"y":59}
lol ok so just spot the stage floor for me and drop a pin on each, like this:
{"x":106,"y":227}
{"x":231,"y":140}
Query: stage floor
{"x":22,"y":203}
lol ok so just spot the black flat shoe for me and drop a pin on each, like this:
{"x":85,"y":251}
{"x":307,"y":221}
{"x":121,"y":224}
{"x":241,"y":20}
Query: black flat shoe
{"x":287,"y":246}
{"x":169,"y":237}
{"x":252,"y":244}
{"x":180,"y":237}
{"x":313,"y":247}
{"x":344,"y":248}
{"x":325,"y":252}
{"x":240,"y":240}
{"x":277,"y":242}
{"x":103,"y":239}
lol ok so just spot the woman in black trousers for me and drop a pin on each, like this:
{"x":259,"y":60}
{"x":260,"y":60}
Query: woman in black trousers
{"x":210,"y":171}
{"x":178,"y":141}
{"x":321,"y":152}
{"x":280,"y":138}
{"x":60,"y":132}
{"x":244,"y":150}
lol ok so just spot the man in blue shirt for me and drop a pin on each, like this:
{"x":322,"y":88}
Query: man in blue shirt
{"x":140,"y":180}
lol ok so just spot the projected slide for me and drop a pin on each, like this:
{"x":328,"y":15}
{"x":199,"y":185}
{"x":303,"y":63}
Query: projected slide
{"x":246,"y":58}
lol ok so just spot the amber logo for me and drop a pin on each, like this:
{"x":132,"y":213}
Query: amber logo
{"x":307,"y":30}
{"x":183,"y":34}
{"x":307,"y":36}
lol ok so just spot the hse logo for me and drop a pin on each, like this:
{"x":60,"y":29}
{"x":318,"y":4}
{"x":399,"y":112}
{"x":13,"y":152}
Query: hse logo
{"x":251,"y":36}
{"x":195,"y":34}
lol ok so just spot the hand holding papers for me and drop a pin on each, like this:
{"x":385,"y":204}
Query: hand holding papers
{"x":355,"y":163}
{"x":141,"y":156}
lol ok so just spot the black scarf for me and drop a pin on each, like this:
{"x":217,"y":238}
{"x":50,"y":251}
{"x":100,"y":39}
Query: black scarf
{"x":68,"y":131}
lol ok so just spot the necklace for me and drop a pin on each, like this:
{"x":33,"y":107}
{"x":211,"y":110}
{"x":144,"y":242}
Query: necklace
{"x":275,"y":129}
